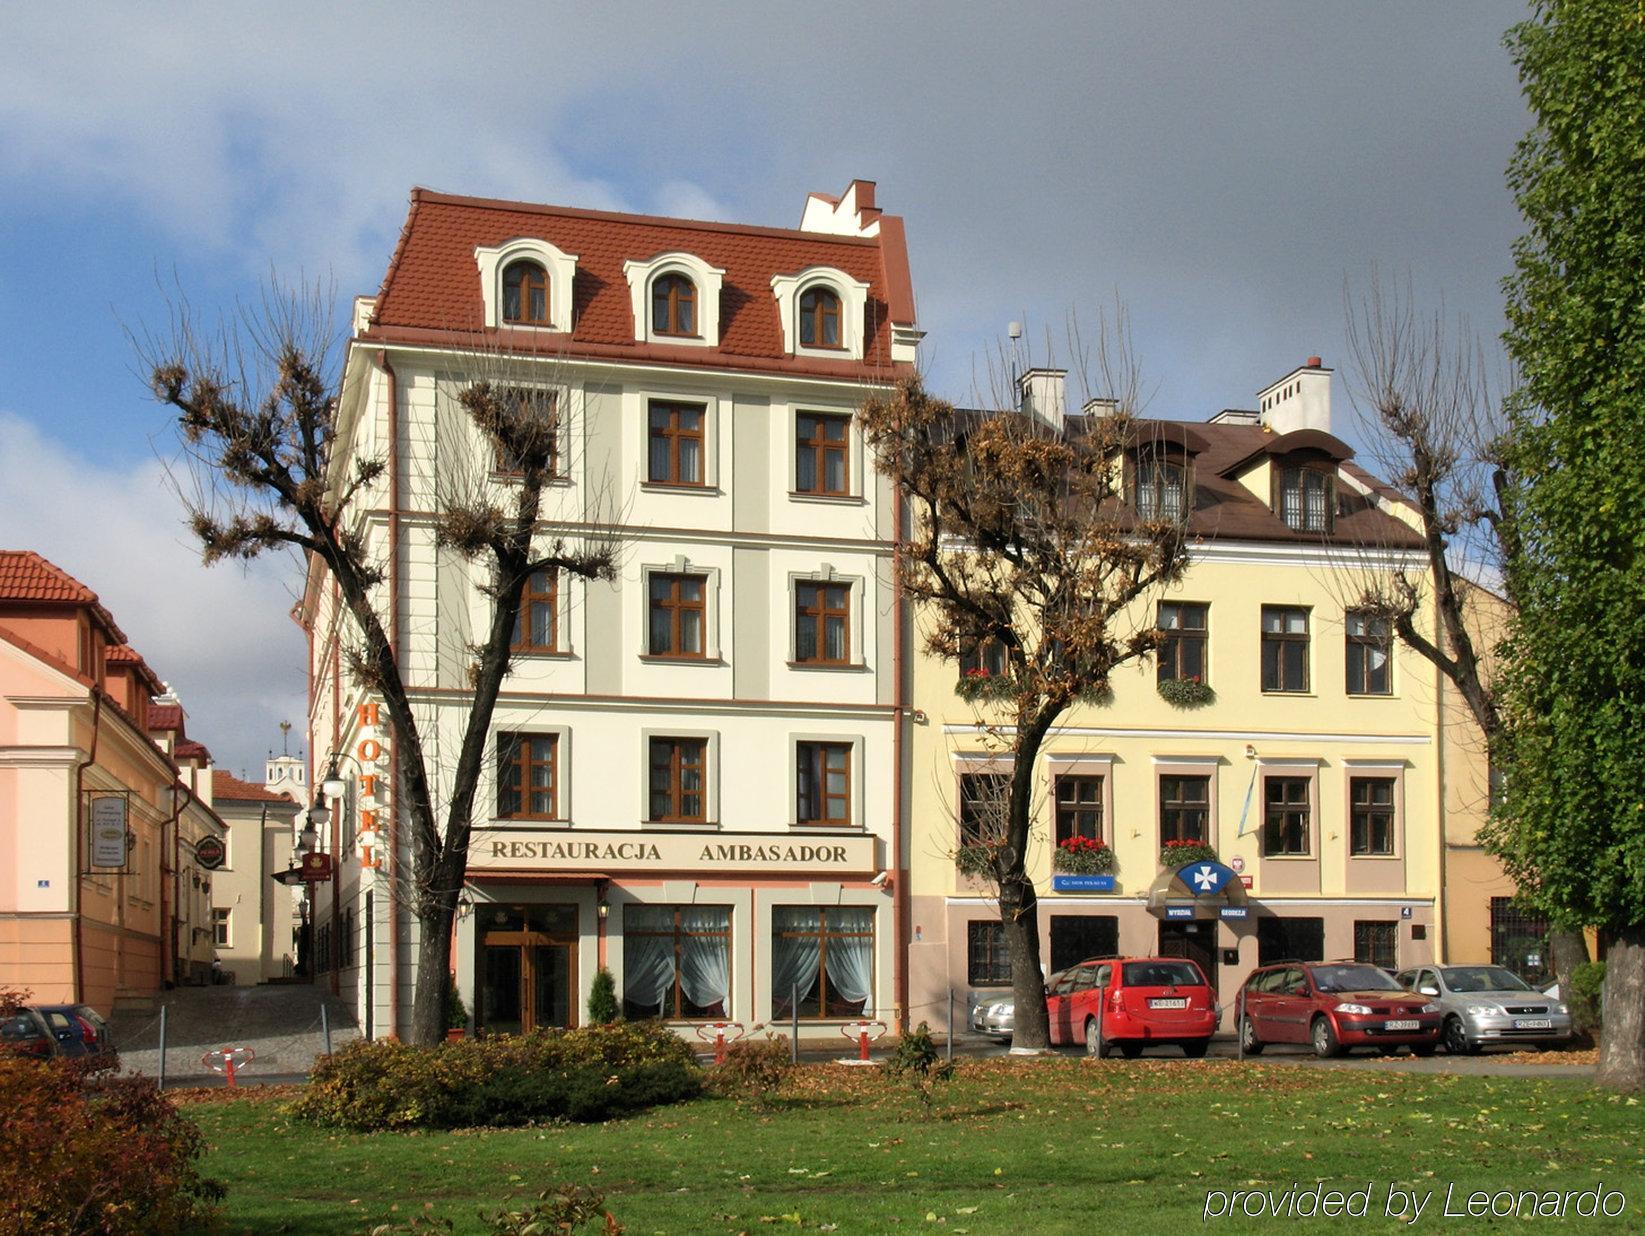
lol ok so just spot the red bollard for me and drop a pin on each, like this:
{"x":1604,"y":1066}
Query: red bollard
{"x":862,"y":1045}
{"x":228,"y":1068}
{"x":719,"y":1044}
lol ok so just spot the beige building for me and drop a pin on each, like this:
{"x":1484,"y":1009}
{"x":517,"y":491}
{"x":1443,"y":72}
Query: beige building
{"x":254,"y":919}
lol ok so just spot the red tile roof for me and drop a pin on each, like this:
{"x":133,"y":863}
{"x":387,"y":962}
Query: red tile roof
{"x":188,"y":749}
{"x":432,"y":288}
{"x":166,"y":717}
{"x":27,"y":577}
{"x":228,"y":787}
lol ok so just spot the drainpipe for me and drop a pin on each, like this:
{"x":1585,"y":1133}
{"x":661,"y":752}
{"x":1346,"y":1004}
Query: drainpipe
{"x":336,"y":740}
{"x":78,"y":976}
{"x":391,"y":852}
{"x":169,"y":928}
{"x":899,"y":713}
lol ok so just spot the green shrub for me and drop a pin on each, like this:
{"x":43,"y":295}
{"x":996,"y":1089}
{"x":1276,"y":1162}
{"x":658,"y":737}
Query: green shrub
{"x":602,"y":998}
{"x":1174,"y":854}
{"x":1586,"y":999}
{"x":753,"y":1069}
{"x":917,"y":1063}
{"x":114,"y":1158}
{"x":568,"y":1208}
{"x":456,"y":1011}
{"x":593,"y":1073}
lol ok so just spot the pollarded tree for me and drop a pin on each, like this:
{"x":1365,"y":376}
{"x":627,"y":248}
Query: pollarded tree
{"x":1572,"y":829}
{"x":257,"y":406}
{"x":1018,"y":537}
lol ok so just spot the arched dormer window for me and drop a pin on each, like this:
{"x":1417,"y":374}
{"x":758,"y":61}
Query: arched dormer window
{"x":674,"y":305}
{"x":1162,"y":489}
{"x":820,"y":318}
{"x":1304,"y":495}
{"x":525,"y":293}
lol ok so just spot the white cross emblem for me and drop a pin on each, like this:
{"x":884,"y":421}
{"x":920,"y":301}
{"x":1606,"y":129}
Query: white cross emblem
{"x":1206,"y":879}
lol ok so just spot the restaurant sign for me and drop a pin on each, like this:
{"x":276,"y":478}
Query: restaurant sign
{"x":627,"y":853}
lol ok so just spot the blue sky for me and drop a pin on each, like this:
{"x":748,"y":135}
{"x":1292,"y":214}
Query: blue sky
{"x":1222,"y":167}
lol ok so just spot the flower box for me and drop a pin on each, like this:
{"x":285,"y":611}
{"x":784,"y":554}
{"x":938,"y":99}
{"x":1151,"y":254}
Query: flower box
{"x":1186,"y":692}
{"x":1174,"y":854}
{"x":977,"y":683}
{"x":1083,"y":856}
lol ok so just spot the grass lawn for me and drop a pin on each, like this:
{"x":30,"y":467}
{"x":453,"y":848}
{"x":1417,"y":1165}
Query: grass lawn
{"x":1014,"y":1146}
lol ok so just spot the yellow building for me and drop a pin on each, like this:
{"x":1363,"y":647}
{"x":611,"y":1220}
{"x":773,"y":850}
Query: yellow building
{"x":1311,"y":766}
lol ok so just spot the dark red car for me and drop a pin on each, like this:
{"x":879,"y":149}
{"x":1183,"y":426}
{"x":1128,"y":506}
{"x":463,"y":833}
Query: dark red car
{"x":1335,"y":1005}
{"x":1144,"y":1000}
{"x":72,"y":1031}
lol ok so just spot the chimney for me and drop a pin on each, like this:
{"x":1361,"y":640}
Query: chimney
{"x":1100,"y":407}
{"x":1299,"y":400}
{"x":1043,"y":395}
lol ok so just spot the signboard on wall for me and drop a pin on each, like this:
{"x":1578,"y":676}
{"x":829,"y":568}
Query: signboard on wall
{"x":108,"y":831}
{"x":630,"y":853}
{"x":210,"y":852}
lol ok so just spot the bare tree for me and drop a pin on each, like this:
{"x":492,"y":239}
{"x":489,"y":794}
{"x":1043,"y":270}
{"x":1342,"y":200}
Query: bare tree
{"x":1436,"y":429}
{"x":257,"y":405}
{"x":1020,"y":538}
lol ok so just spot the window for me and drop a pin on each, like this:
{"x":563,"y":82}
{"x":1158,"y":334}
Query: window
{"x":987,"y":963}
{"x":1368,"y":655}
{"x":678,"y":615}
{"x":1290,"y":939}
{"x":528,"y":776}
{"x":985,"y":660}
{"x":1079,"y":807}
{"x":1371,"y":816}
{"x":219,"y":927}
{"x":1184,"y":809}
{"x":532,"y":410}
{"x":678,"y":780}
{"x":676,"y":444}
{"x":1285,"y":816}
{"x":1284,"y":649}
{"x":1161,"y":489}
{"x":823,"y":779}
{"x":823,"y":959}
{"x":1377,"y":943}
{"x":525,"y":294}
{"x":819,"y":319}
{"x":983,"y":802}
{"x":1074,"y":937}
{"x":1182,"y":646}
{"x":821,"y":616}
{"x":1305,"y":499}
{"x":673,"y":306}
{"x":820,"y":466}
{"x":676,"y":961}
{"x":536,"y":625}
{"x":1519,"y":941}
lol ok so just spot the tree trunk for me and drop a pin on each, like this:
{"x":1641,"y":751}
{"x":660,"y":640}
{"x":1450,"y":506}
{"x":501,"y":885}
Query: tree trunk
{"x":1622,"y":1034}
{"x":1568,"y":950}
{"x":1019,"y":913}
{"x":428,"y":1007}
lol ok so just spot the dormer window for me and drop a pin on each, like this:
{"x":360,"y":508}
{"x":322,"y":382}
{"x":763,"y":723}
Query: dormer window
{"x":525,"y":294}
{"x":819,"y":318}
{"x":1162,"y":490}
{"x":674,"y":306}
{"x":1305,"y":498}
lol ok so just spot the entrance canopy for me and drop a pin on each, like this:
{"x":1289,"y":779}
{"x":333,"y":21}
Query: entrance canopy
{"x":1198,"y":890}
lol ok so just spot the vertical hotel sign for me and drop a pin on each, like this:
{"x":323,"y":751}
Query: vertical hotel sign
{"x":369,"y":751}
{"x":108,"y":831}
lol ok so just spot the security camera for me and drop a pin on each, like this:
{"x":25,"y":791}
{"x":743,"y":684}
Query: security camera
{"x":879,"y":880}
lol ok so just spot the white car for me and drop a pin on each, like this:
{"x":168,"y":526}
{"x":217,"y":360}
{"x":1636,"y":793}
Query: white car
{"x":1488,"y":1004}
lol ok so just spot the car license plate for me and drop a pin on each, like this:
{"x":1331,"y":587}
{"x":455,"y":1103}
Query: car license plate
{"x":1402,"y":1025}
{"x":1534,"y":1023}
{"x":1161,"y":1002}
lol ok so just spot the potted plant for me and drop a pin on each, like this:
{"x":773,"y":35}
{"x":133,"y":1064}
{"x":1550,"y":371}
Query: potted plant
{"x":1174,"y":854}
{"x":1083,"y":856}
{"x":456,"y":1012}
{"x":1186,"y":692}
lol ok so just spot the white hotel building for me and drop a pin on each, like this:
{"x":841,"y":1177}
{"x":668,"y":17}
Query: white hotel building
{"x":695,"y":776}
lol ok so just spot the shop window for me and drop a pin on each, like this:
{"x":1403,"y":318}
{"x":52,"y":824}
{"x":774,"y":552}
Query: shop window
{"x":1079,"y":937}
{"x":676,"y":961}
{"x":987,"y":961}
{"x":823,"y":958}
{"x":1519,"y":941}
{"x":1290,"y":939}
{"x":1377,"y":944}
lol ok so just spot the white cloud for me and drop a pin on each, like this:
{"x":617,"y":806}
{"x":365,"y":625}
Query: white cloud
{"x":221,"y":637}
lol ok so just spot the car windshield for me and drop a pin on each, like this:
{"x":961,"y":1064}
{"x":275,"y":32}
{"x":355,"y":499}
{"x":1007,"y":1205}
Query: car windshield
{"x":1483,"y":978}
{"x":1353,"y":978}
{"x":1162,"y":974}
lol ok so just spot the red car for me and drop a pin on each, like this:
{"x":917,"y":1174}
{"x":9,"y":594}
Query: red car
{"x":1334,"y":1006}
{"x":1144,"y":1000}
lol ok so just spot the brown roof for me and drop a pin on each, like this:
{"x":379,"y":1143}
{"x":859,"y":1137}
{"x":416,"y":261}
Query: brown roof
{"x":230,"y":788}
{"x":432,"y":288}
{"x":188,"y":749}
{"x":166,"y":717}
{"x":26,"y":576}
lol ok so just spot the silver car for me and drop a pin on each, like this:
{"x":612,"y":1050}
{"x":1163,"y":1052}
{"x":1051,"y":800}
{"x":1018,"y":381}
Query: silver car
{"x":996,"y":1015}
{"x":1488,"y":1004}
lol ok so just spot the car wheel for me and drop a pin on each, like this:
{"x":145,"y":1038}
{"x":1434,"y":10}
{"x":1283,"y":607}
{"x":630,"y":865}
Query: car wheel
{"x":1249,"y":1041}
{"x":1094,"y":1044}
{"x":1456,"y":1038}
{"x":1325,"y":1039}
{"x":1195,"y":1049}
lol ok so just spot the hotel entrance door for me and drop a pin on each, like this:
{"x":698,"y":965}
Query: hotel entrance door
{"x":526,"y":968}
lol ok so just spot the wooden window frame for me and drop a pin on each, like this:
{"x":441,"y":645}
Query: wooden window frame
{"x":673,"y":434}
{"x":1169,"y":657}
{"x":1174,"y":808}
{"x":672,"y":290}
{"x":513,"y":752}
{"x":1359,"y":645}
{"x":509,"y":469}
{"x":819,"y":445}
{"x":816,"y":750}
{"x":531,"y":596}
{"x":1388,"y":929}
{"x":814,"y":319}
{"x":1283,"y":473}
{"x":1149,"y":488}
{"x":817,"y":616}
{"x":678,"y":765}
{"x":525,"y":265}
{"x":676,"y":605}
{"x":822,"y":935}
{"x":994,"y":956}
{"x":1362,"y":816}
{"x":1275,"y":816}
{"x":680,"y":935}
{"x":970,"y":778}
{"x":1073,"y":816}
{"x":1281,"y":638}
